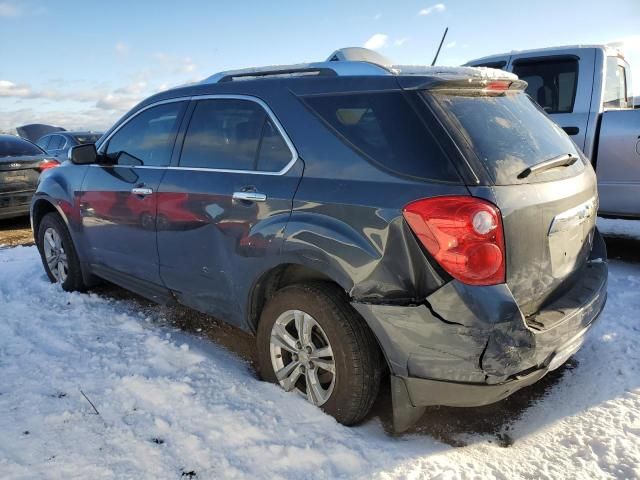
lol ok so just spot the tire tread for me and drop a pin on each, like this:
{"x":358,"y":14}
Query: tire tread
{"x":74,"y":281}
{"x":365,"y":356}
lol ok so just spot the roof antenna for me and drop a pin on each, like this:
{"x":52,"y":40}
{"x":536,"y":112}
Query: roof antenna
{"x":441,"y":42}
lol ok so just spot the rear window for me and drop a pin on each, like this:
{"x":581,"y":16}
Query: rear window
{"x":552,"y":83}
{"x":83,"y":139}
{"x":16,"y":147}
{"x":507,"y":132}
{"x":615,"y":85}
{"x":386,"y":129}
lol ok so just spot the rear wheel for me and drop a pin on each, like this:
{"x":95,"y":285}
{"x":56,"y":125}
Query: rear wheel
{"x":58,"y":254}
{"x":310,"y":340}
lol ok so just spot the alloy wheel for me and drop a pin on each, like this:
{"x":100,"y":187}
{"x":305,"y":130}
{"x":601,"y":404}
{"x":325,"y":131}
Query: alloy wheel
{"x":302,"y":357}
{"x":55,"y":255}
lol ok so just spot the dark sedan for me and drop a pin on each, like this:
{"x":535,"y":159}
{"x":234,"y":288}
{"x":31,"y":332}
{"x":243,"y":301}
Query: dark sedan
{"x":20,"y":165}
{"x":58,"y":144}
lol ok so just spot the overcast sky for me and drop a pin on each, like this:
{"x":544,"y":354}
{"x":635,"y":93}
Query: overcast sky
{"x":84,"y":63}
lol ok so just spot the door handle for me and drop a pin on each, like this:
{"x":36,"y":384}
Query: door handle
{"x":142,"y":191}
{"x":249,"y":196}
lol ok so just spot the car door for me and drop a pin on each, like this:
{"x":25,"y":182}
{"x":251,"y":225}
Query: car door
{"x":222,"y":210}
{"x":618,"y":155}
{"x":118,"y":201}
{"x":561,"y":84}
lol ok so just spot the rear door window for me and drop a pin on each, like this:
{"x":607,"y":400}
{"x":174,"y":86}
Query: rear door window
{"x":507,"y":132}
{"x":233,"y":134}
{"x":384,"y":128}
{"x":552,"y":83}
{"x":274,"y":153}
{"x":148,"y":138}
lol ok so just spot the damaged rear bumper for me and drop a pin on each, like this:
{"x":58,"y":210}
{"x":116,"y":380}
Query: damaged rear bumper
{"x":471,"y":346}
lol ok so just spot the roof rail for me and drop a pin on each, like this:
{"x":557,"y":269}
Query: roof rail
{"x":352,"y":61}
{"x":332,"y":68}
{"x":344,"y":62}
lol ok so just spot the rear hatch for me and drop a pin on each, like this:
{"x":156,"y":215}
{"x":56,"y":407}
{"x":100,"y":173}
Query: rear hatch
{"x":18,"y":174}
{"x":528,"y":167}
{"x":20,"y":165}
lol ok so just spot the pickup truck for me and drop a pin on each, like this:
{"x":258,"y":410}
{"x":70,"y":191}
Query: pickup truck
{"x":587,"y":91}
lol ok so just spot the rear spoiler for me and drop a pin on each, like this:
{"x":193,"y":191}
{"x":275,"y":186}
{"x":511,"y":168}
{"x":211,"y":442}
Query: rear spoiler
{"x":463,"y":83}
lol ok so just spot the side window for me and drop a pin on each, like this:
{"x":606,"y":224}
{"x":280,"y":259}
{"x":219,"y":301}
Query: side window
{"x":386,"y":129}
{"x":274,"y":153}
{"x":615,"y":89}
{"x":552,"y":83}
{"x":43,"y":143}
{"x":56,"y":143}
{"x":233,"y":134}
{"x":147,"y":139}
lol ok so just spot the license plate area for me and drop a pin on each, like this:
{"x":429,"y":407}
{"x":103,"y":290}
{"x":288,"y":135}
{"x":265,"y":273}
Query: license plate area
{"x":571,"y":237}
{"x":15,"y":177}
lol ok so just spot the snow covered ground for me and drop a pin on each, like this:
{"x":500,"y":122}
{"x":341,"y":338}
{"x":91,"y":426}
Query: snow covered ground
{"x":172,"y":405}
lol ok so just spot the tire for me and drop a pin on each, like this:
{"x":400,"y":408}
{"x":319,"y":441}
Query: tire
{"x":357,"y":360}
{"x":72,"y":280}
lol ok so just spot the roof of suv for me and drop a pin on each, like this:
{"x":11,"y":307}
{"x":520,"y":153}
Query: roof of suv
{"x":346,"y":62}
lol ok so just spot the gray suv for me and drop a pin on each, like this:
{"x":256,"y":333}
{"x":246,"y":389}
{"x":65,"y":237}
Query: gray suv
{"x":359,"y":218}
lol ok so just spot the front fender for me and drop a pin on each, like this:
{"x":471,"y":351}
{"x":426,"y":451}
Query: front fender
{"x":59,"y":188}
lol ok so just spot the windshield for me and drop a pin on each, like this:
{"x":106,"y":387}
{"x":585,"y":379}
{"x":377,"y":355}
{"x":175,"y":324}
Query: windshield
{"x":17,"y":147}
{"x":88,"y":138}
{"x":507,"y":132}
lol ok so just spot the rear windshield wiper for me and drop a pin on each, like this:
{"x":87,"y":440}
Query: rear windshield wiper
{"x":563,"y":160}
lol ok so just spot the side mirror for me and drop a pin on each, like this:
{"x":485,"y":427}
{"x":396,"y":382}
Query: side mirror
{"x":83,"y":154}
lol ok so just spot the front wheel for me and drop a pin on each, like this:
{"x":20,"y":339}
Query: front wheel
{"x":310,"y":340}
{"x":58,"y":254}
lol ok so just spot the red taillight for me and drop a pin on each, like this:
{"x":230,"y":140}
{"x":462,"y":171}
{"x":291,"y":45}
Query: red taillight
{"x":47,"y":164}
{"x":464,"y":235}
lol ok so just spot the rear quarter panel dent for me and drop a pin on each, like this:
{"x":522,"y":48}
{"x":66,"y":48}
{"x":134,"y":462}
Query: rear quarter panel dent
{"x":373,"y":260}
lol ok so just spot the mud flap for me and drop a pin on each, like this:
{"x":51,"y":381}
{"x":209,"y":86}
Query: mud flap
{"x":405,"y":414}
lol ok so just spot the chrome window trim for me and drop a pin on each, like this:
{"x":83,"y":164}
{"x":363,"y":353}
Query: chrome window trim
{"x":99,"y":148}
{"x":259,"y":101}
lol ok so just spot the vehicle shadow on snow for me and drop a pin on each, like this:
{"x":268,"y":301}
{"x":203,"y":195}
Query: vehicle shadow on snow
{"x":441,"y":423}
